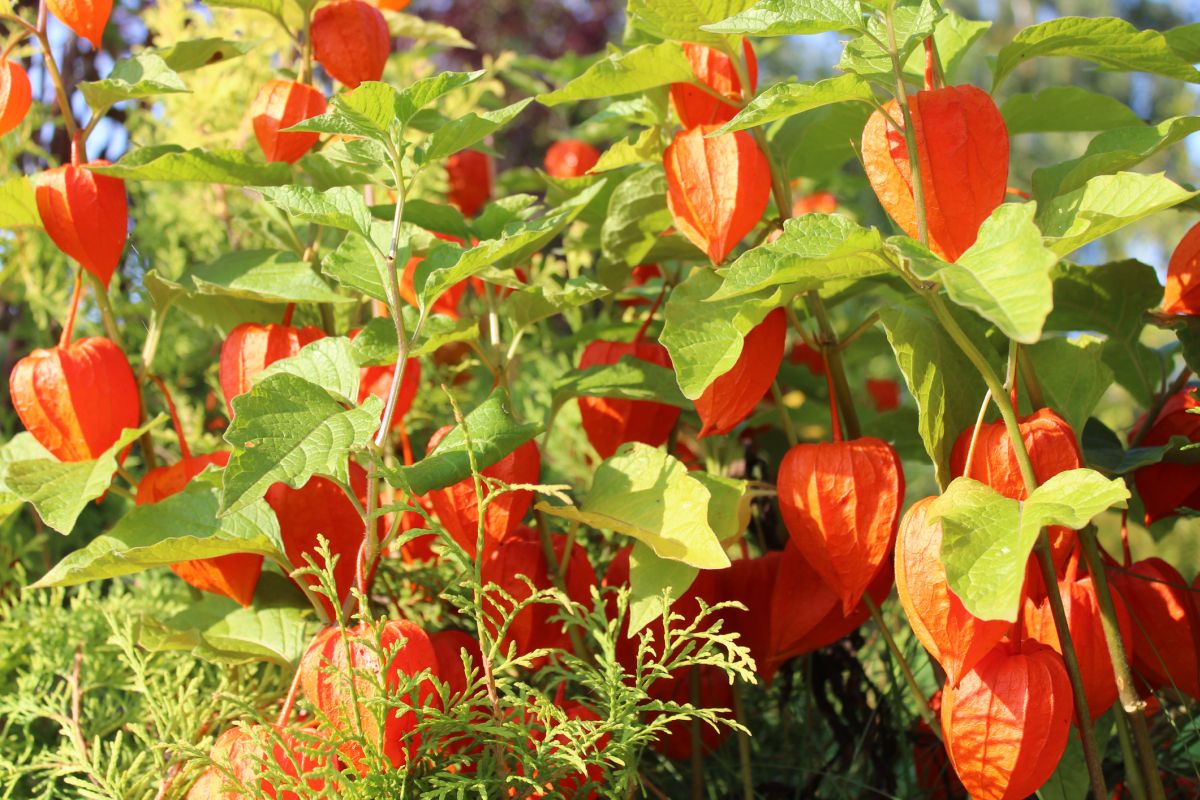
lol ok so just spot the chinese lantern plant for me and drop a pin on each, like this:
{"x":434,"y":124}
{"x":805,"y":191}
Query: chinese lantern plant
{"x":514,"y":493}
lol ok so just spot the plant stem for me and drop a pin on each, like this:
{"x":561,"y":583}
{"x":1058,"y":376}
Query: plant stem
{"x":910,"y":679}
{"x":1087,"y":736}
{"x":697,"y":755}
{"x":557,"y":571}
{"x":785,"y":419}
{"x":1132,"y":705}
{"x":832,"y":352}
{"x":64,"y":103}
{"x":914,"y":159}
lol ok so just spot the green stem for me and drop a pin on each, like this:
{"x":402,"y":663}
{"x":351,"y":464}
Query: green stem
{"x":557,"y":572}
{"x":60,"y":90}
{"x":785,"y":419}
{"x":1087,"y":736}
{"x":1131,"y":704}
{"x":832,"y":352}
{"x":914,"y":160}
{"x":910,"y":679}
{"x":745,"y":767}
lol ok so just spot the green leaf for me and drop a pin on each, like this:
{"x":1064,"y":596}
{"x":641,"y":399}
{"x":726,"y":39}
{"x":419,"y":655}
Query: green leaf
{"x":276,"y":628}
{"x":431,"y":217}
{"x":532,"y":304}
{"x":628,"y":379}
{"x":1102,"y":450}
{"x":645,"y":493}
{"x":654,"y":585}
{"x":1004,"y":276}
{"x":367,"y":110}
{"x":647,"y":147}
{"x":376,"y":344}
{"x":637,"y":216}
{"x":812,"y":250}
{"x":272,"y":7}
{"x":426,"y":31}
{"x":469,"y":130}
{"x":788,"y":99}
{"x":169,"y":162}
{"x":987,"y":538}
{"x":791,"y":18}
{"x":328,"y":363}
{"x":818,"y":143}
{"x":683,"y":20}
{"x":1070,"y":778}
{"x":729,"y":512}
{"x":341,"y":207}
{"x":494,"y":434}
{"x":267,"y":275}
{"x":196,"y":53}
{"x":140,"y":76}
{"x":1105,"y":204}
{"x":18,"y":208}
{"x":182,"y":527}
{"x":22,"y":447}
{"x":1185,"y":40}
{"x":1111,"y":300}
{"x":360,"y":266}
{"x":637,"y":70}
{"x":705,"y":336}
{"x":518,"y":241}
{"x":1066,"y":108}
{"x":946,"y":386}
{"x":427,"y":91}
{"x":1111,"y":43}
{"x":60,"y":490}
{"x":1112,"y":151}
{"x":954,"y":37}
{"x":1072,"y":374}
{"x":914,"y":21}
{"x":288,"y":429}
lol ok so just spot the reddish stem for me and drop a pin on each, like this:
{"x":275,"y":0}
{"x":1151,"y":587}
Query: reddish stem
{"x":76,"y":147}
{"x":69,"y":327}
{"x":287,"y":314}
{"x":405,"y":445}
{"x":183,"y":445}
{"x":650,"y":317}
{"x":833,"y":406}
{"x":929,"y":60}
{"x":289,"y":702}
{"x":1126,"y":554}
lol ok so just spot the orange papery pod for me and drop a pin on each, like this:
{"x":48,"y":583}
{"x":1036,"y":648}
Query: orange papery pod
{"x":1006,"y":724}
{"x":350,"y":40}
{"x":1165,"y":625}
{"x":841,"y":503}
{"x":1167,"y":486}
{"x":392,"y":5}
{"x":714,"y":69}
{"x":457,"y":506}
{"x":469,"y":173}
{"x":953,"y":636}
{"x":239,"y":758}
{"x":86,"y":215}
{"x":76,"y":399}
{"x":717,"y":189}
{"x":570,"y":158}
{"x":448,"y":645}
{"x":320,"y":507}
{"x":250,"y":348}
{"x":639,"y":276}
{"x":730,"y":398}
{"x":447,"y":303}
{"x":751,"y":582}
{"x":1087,"y":636}
{"x":1052,"y":448}
{"x":962,"y":146}
{"x":1182,"y":295}
{"x":280,"y":105}
{"x":331,"y":663}
{"x":815,"y":203}
{"x":377,"y":380}
{"x":519,"y":554}
{"x":236,"y":575}
{"x":610,"y":422}
{"x":16,"y":95}
{"x":86,"y":18}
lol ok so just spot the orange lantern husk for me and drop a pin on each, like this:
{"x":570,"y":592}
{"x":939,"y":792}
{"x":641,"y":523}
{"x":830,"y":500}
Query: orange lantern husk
{"x":76,"y":399}
{"x":1165,"y":624}
{"x":841,"y":504}
{"x":87,"y":18}
{"x":85,"y":214}
{"x":250,"y":348}
{"x":717,"y":188}
{"x":280,"y":105}
{"x":16,"y":95}
{"x":469,"y":174}
{"x":350,"y":39}
{"x":570,"y":158}
{"x":693,"y":105}
{"x":610,"y":422}
{"x":962,"y":148}
{"x":730,"y":398}
{"x":1182,"y":295}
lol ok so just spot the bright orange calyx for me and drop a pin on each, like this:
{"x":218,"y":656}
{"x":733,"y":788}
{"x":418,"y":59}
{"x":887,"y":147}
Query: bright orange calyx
{"x":962,"y":149}
{"x":350,"y":40}
{"x":570,"y":158}
{"x":250,"y":348}
{"x":1182,"y":295}
{"x":610,"y":422}
{"x":714,"y":69}
{"x":77,"y":399}
{"x":730,"y":398}
{"x":717,"y":188}
{"x":85,"y":214}
{"x":16,"y":95}
{"x":469,"y":173}
{"x":280,"y":105}
{"x":86,"y":18}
